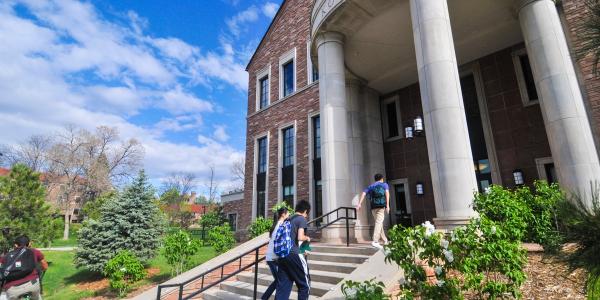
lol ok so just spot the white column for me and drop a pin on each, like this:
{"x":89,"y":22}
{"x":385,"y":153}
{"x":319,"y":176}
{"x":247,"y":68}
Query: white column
{"x":448,"y":144}
{"x":334,"y":126}
{"x":567,"y":125}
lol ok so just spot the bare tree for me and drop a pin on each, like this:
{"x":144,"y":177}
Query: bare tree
{"x":183,"y":182}
{"x":82,"y":165}
{"x":238,"y":170}
{"x":31,"y":153}
{"x":212,"y":186}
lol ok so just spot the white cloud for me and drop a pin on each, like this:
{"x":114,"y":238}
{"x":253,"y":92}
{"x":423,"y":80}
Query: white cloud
{"x":220,"y":133}
{"x":270,"y":9}
{"x":246,"y":16}
{"x":66,"y":64}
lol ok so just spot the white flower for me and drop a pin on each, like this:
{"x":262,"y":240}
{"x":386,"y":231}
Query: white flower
{"x":444,"y":243}
{"x":493,"y":229}
{"x":438,"y":270}
{"x":440,"y":283}
{"x":449,"y":255}
{"x":123,"y":269}
{"x":429,"y":228}
{"x":351,"y":292}
{"x":402,"y":281}
{"x":479,"y":233}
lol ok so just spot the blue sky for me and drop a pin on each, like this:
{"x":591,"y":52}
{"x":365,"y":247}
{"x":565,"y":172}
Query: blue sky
{"x":168,"y":73}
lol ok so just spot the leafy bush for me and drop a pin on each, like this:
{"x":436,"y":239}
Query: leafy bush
{"x":178,"y":249}
{"x":131,"y":221}
{"x":543,"y":227}
{"x":490,"y":260}
{"x":123,"y":270}
{"x":212,"y":219}
{"x":221,"y":238}
{"x":259,"y":226}
{"x":581,"y":222}
{"x":366,"y":290}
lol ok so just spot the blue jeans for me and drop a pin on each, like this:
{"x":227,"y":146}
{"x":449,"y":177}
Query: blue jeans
{"x":292,"y":269}
{"x":273,"y":267}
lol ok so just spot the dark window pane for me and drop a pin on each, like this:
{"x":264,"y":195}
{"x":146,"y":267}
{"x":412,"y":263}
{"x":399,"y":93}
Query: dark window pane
{"x":288,"y":78}
{"x":528,"y":74}
{"x":264,"y":92}
{"x":392,"y":119}
{"x":550,"y":172}
{"x":262,"y":155}
{"x":288,"y":146}
{"x":288,"y":195}
{"x":317,"y":136}
{"x":315,"y":73}
{"x":232,"y":218}
{"x":260,"y":203}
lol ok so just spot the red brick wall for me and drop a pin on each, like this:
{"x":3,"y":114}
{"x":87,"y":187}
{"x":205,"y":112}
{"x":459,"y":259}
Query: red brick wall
{"x":518,"y":131}
{"x":575,"y":13}
{"x":237,"y":207}
{"x":290,"y":29}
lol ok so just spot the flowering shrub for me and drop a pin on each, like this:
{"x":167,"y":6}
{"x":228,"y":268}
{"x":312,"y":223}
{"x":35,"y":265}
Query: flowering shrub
{"x":488,"y":258}
{"x":366,"y":290}
{"x":221,"y":238}
{"x":123,"y":270}
{"x":178,"y":249}
{"x":259,"y":226}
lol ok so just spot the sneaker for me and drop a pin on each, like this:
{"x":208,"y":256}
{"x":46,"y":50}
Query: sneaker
{"x":386,"y":243}
{"x":376,"y":245}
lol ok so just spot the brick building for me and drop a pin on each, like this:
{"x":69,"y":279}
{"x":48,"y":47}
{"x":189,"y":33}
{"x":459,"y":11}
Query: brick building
{"x":443,"y":97}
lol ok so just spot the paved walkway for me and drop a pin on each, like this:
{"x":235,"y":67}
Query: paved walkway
{"x":58,"y":249}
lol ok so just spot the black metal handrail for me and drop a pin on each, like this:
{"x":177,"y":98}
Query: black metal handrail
{"x":257,"y":259}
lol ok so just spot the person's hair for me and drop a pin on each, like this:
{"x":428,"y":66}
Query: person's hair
{"x":22,"y":241}
{"x":378,"y":177}
{"x":280,"y":212}
{"x":303,"y":206}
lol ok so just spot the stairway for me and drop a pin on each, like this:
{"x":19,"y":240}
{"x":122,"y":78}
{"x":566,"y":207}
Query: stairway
{"x":328,"y":264}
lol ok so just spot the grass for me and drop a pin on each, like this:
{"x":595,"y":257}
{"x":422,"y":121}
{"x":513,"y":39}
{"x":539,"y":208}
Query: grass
{"x":71,"y":242}
{"x":62,"y":277}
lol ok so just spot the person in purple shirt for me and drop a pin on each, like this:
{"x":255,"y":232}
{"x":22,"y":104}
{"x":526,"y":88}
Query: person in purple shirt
{"x":379,"y":197}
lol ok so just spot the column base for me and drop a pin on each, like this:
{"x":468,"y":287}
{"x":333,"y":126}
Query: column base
{"x":449,"y":223}
{"x":363,"y":233}
{"x":336,"y":234}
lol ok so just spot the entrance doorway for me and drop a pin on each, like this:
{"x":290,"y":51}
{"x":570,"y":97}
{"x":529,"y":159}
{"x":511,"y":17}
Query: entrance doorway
{"x":481,"y":159}
{"x":400,"y":208}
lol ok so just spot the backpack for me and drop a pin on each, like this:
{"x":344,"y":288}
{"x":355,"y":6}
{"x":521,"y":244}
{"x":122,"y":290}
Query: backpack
{"x":282,"y":244}
{"x":19,"y":265}
{"x":377,"y":196}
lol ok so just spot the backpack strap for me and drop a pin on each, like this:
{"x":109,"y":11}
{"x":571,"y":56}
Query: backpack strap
{"x":11,"y":264}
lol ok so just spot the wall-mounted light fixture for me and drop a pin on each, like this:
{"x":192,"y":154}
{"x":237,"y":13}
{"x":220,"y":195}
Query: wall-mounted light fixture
{"x":408,"y":132}
{"x":418,"y":125}
{"x":420,"y":189}
{"x":518,"y":177}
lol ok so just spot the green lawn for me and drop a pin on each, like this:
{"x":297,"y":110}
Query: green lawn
{"x":71,"y":242}
{"x":62,"y":277}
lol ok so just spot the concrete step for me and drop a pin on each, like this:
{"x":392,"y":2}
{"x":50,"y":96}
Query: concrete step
{"x":337,"y":257}
{"x":247,"y":290}
{"x":353,"y":249}
{"x":217,"y":294}
{"x":315,"y":275}
{"x":316,"y":288}
{"x":336,"y":267}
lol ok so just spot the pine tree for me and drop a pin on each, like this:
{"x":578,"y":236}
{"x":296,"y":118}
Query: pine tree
{"x":130,"y":221}
{"x":23,"y":208}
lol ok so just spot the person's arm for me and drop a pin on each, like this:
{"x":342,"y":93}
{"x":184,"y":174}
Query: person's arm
{"x":41,"y":259}
{"x":301,"y":236}
{"x":44,"y":264}
{"x":362,"y":197}
{"x":387,"y":201}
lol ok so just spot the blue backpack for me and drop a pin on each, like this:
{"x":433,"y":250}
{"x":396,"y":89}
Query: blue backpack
{"x":377,"y":196}
{"x":282,"y":245}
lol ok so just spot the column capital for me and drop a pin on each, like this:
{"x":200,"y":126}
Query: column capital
{"x":520,"y":4}
{"x":329,"y":36}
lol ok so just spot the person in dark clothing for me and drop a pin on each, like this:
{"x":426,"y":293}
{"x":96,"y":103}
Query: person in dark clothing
{"x":30,"y":283}
{"x":280,"y":215}
{"x":293,"y":268}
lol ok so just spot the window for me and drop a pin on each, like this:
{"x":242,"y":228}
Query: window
{"x":232,"y":219}
{"x":264,"y":92}
{"x":287,"y":170}
{"x":288,"y":78}
{"x":525,"y":78}
{"x":546,"y":169}
{"x":316,"y":160}
{"x":312,"y":71}
{"x":288,"y":147}
{"x":391,"y":117}
{"x":261,"y":176}
{"x":287,"y":73}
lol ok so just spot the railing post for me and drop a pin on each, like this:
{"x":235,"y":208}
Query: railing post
{"x":180,"y":291}
{"x":347,"y":230}
{"x":255,"y":272}
{"x":158,"y":292}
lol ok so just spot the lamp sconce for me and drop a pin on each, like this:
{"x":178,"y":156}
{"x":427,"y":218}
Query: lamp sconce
{"x":420,"y":189}
{"x":408,"y":132}
{"x":518,"y":177}
{"x":418,"y":125}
